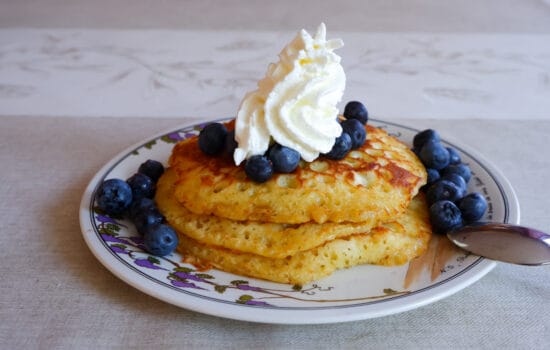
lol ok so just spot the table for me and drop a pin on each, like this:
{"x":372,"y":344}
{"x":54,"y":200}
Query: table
{"x":72,"y":98}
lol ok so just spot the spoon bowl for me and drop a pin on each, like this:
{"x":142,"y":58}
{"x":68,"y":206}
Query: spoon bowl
{"x":504,"y":242}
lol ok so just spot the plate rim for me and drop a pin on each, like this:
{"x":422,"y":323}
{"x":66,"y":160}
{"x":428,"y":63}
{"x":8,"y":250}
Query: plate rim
{"x":152,"y":287}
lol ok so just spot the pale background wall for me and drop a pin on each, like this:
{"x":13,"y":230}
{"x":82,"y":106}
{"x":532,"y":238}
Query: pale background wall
{"x":351,"y":15}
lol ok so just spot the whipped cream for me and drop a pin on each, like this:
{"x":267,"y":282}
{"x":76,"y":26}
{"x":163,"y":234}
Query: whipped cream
{"x":295,"y":102}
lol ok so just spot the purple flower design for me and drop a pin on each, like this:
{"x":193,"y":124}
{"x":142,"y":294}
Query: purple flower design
{"x":245,"y":286}
{"x":257,"y":303}
{"x":118,"y":249}
{"x":188,"y":135}
{"x":185,"y":284}
{"x":188,"y":276}
{"x":110,"y":238}
{"x":147,"y":264}
{"x":107,"y":220}
{"x":104,"y":219}
{"x":174,"y":136}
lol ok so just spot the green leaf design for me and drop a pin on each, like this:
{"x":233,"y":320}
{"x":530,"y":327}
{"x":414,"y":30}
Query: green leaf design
{"x":119,"y":245}
{"x":153,"y":260}
{"x":220,"y":289}
{"x":150,"y":144}
{"x":237,"y":282}
{"x":390,"y":291}
{"x":244,"y":298}
{"x":205,"y":276}
{"x":166,"y":139}
{"x":296,"y":287}
{"x":105,"y":231}
{"x":183,"y":269}
{"x":112,"y":227}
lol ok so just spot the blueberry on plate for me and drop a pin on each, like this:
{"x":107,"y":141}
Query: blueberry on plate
{"x":258,"y":168}
{"x":434,"y":155}
{"x":141,"y":185}
{"x":445,"y":216}
{"x":443,"y":190}
{"x":114,"y":196}
{"x":459,"y":169}
{"x":160,"y":239}
{"x":139,"y":205}
{"x":342,"y":145}
{"x":356,"y":110}
{"x":212,"y":138}
{"x":146,"y":217}
{"x":284,"y":159}
{"x":230,"y":144}
{"x":454,"y":157}
{"x":151,"y":168}
{"x":433,"y":176}
{"x":472,"y":207}
{"x":423,"y":137}
{"x":356,"y":131}
{"x":457,"y":180}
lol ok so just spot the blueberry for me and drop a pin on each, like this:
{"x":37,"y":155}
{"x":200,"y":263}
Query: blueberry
{"x":141,"y":185}
{"x":356,"y":131}
{"x":284,"y":159}
{"x":433,"y":176}
{"x":160,"y":239}
{"x":457,"y":180}
{"x":443,"y":190}
{"x":147,"y":217}
{"x":258,"y":168}
{"x":472,"y":207}
{"x":356,"y":110}
{"x":434,"y":155}
{"x":212,"y":138}
{"x":114,"y":196}
{"x":140,"y":205}
{"x":424,"y":137}
{"x":151,"y":168}
{"x":342,"y":145}
{"x":445,"y":216}
{"x":459,"y":169}
{"x":230,"y":144}
{"x":454,"y":157}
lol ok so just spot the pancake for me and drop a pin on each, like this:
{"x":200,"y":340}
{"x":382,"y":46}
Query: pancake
{"x":393,"y":243}
{"x":272,"y":240}
{"x":371,"y":184}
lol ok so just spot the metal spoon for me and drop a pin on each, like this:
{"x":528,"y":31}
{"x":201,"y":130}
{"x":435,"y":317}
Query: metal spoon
{"x":504,"y":242}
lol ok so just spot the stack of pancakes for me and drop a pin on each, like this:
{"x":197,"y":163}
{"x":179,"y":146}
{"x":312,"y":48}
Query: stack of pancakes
{"x":298,"y":227}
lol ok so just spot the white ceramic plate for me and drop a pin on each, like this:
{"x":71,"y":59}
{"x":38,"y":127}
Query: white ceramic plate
{"x":353,"y":294}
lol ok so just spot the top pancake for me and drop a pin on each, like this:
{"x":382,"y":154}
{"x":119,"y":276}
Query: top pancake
{"x":372,"y":183}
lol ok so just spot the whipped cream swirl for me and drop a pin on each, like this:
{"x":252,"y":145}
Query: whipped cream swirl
{"x":295,"y":102}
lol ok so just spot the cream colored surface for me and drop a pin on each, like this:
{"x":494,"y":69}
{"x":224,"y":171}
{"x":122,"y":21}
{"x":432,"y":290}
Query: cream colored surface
{"x":55,"y":294}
